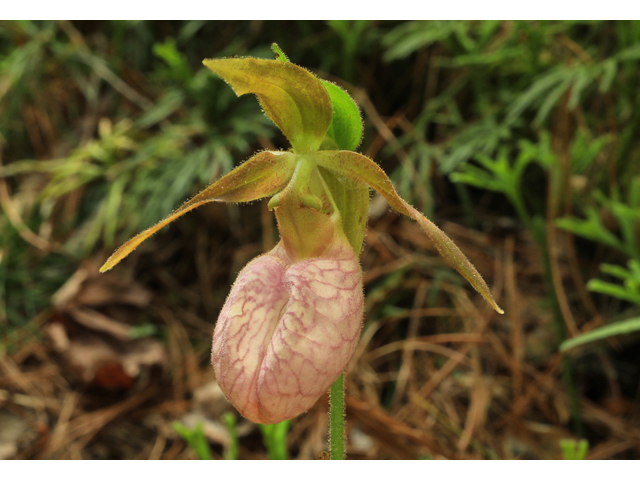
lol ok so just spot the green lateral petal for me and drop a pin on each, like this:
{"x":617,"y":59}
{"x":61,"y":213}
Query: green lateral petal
{"x":261,"y":176}
{"x":291,"y":96}
{"x":361,"y":169}
{"x":346,"y":123}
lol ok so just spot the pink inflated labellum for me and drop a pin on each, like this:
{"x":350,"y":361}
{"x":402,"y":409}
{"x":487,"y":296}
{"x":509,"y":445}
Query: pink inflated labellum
{"x":288,"y":330}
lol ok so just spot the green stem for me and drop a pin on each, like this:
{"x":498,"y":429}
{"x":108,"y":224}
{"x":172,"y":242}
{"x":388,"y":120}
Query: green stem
{"x":336,"y":419}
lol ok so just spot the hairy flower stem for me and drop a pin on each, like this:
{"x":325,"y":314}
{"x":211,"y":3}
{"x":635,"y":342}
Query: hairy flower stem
{"x":336,"y":420}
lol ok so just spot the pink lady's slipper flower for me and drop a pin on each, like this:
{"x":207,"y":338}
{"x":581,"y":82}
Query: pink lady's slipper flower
{"x":288,"y":330}
{"x":291,"y":322}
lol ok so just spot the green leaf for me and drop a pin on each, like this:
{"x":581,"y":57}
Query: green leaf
{"x":359,"y":168}
{"x":582,"y":80}
{"x":629,"y":290}
{"x":195,"y":438}
{"x":405,"y":39}
{"x":609,"y":70}
{"x":291,"y":96}
{"x":263,"y":175}
{"x":346,"y":123}
{"x":619,"y":328}
{"x":618,"y":291}
{"x":232,"y":449}
{"x":538,"y":90}
{"x":275,"y":439}
{"x":630,"y":53}
{"x":573,"y":449}
{"x":591,"y":228}
{"x":551,"y":99}
{"x":616,"y":270}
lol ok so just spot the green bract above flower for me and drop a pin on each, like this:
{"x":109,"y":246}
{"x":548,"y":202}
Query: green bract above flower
{"x":345,"y":131}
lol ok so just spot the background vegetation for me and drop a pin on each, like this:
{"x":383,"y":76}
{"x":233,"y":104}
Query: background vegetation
{"x":519,"y":138}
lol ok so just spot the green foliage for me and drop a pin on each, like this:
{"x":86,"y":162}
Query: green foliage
{"x":190,"y":133}
{"x":574,"y":449}
{"x":196,"y":440}
{"x":412,"y":36}
{"x":626,"y":215}
{"x":504,"y":123}
{"x":149,"y":152}
{"x":352,"y":35}
{"x":627,"y":220}
{"x":275,"y":439}
{"x":232,"y":450}
{"x":489,"y":85}
{"x":501,"y":175}
{"x":624,"y":327}
{"x":274,"y":436}
{"x":494,"y":95}
{"x":629,"y":291}
{"x":23,"y":295}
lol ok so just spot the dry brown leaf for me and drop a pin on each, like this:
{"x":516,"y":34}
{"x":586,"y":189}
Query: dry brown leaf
{"x":100,"y":358}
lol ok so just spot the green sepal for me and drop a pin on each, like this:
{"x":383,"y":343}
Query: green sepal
{"x":345,"y":131}
{"x":346,"y":123}
{"x":261,"y":176}
{"x":296,"y":101}
{"x":358,"y":168}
